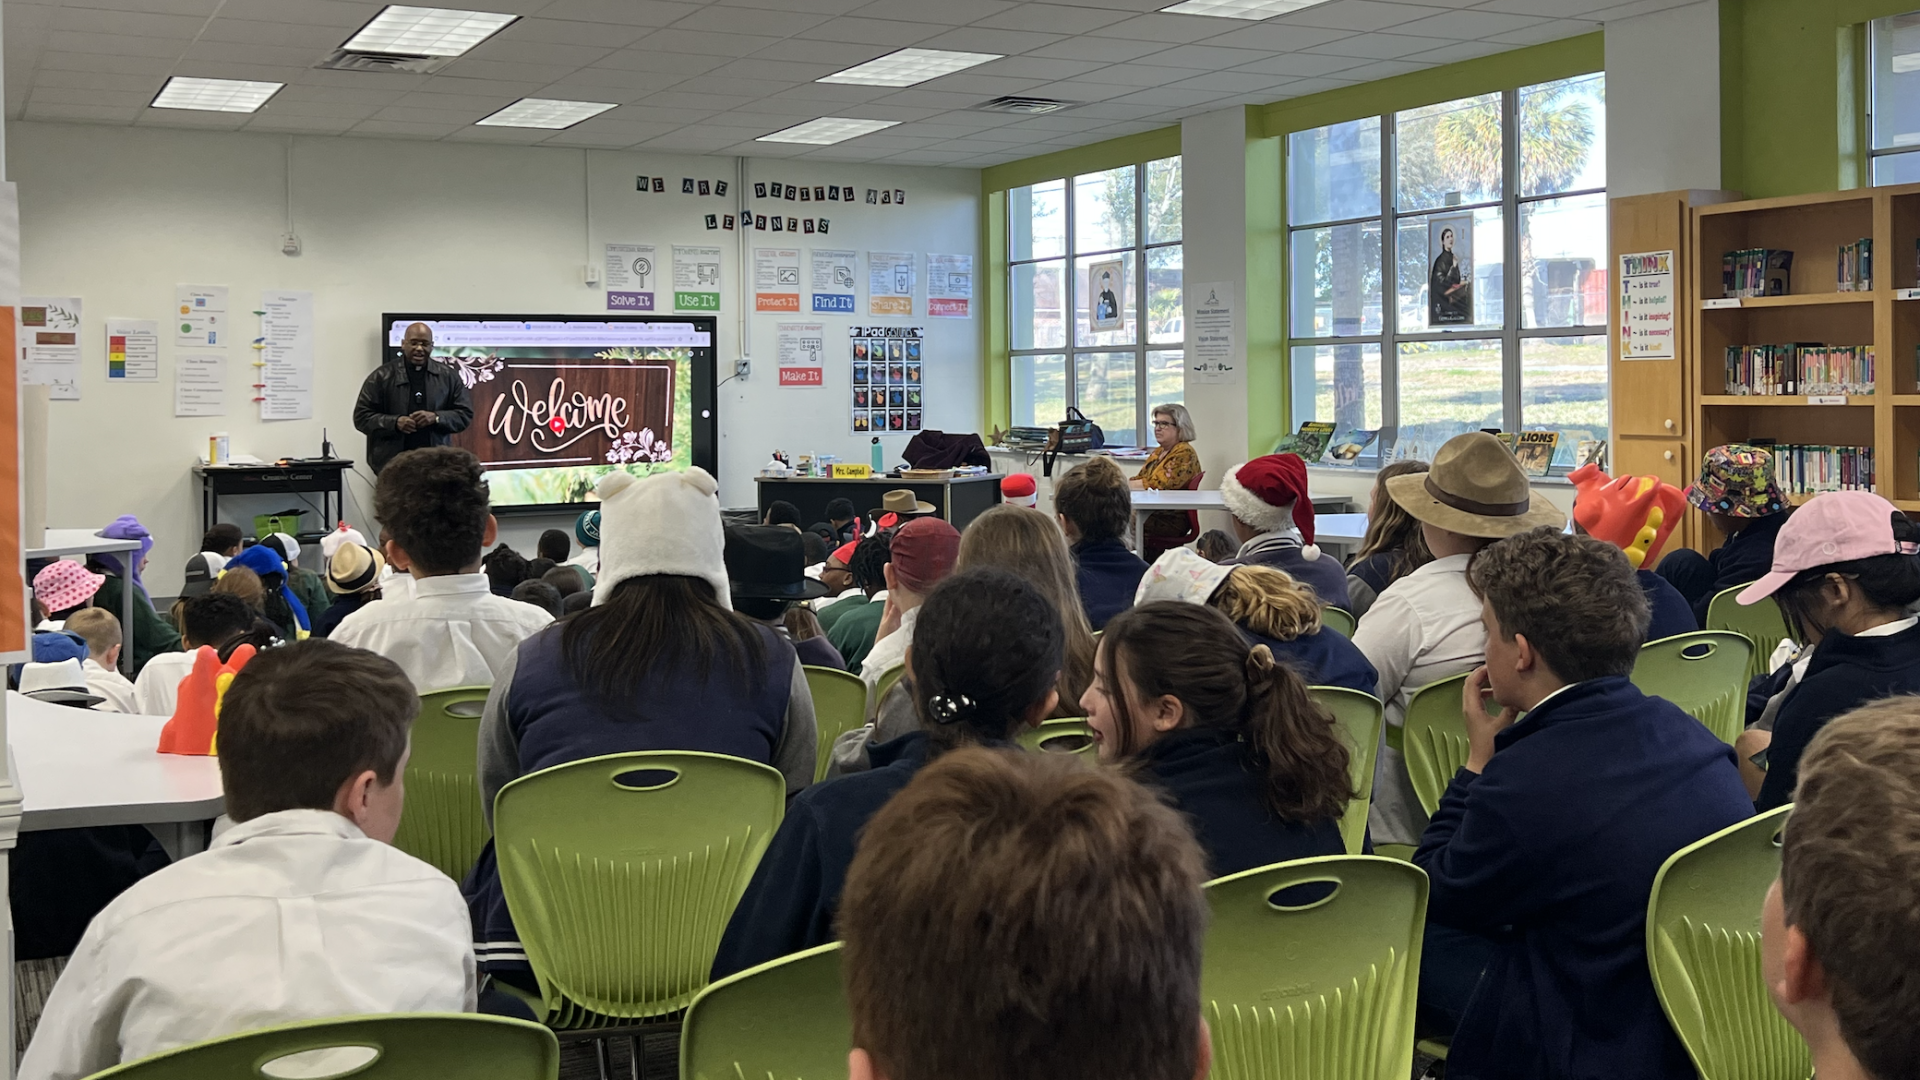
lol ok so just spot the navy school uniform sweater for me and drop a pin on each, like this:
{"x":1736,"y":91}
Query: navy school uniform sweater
{"x":1213,"y":780}
{"x":1671,"y":613}
{"x":1109,"y":576}
{"x":1551,"y":853}
{"x":1282,"y":551}
{"x":1746,"y":556}
{"x":1323,"y":658}
{"x":1845,"y":672}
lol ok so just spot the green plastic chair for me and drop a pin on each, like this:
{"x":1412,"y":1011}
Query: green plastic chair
{"x":621,"y":872}
{"x":1703,"y":946}
{"x":1359,"y":717}
{"x":441,"y":822}
{"x":886,"y":682}
{"x":839,"y":705}
{"x":1762,"y":623}
{"x":1066,"y":735}
{"x":1434,"y":739}
{"x":1319,"y":991}
{"x":1338,"y":620}
{"x":403,"y":1047}
{"x":1705,"y":673}
{"x":783,"y":1020}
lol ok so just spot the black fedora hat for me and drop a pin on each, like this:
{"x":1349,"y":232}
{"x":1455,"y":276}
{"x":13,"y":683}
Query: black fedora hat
{"x":769,"y":562}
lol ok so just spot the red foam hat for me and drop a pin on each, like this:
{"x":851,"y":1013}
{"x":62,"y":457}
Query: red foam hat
{"x":1019,"y":489}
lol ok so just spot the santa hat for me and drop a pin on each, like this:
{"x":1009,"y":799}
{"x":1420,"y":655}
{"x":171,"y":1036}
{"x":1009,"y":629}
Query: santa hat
{"x":344,"y":534}
{"x":1019,"y":489}
{"x":1270,"y":493}
{"x":667,"y":523}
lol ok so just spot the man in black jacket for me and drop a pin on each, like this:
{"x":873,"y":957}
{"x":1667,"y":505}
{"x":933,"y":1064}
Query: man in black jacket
{"x":415,"y":403}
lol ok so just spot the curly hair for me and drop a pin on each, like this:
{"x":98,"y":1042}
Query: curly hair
{"x":1268,"y":602}
{"x":434,"y":501}
{"x":1574,"y":598}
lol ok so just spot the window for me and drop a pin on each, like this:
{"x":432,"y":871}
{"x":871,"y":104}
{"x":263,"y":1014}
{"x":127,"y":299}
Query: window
{"x":1402,"y":317}
{"x":1893,"y":99}
{"x":1087,"y":256}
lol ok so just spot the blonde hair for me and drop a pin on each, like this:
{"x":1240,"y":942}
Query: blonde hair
{"x":243,"y":583}
{"x":1031,"y":545}
{"x":1391,"y":528}
{"x":97,"y":627}
{"x":1268,"y":601}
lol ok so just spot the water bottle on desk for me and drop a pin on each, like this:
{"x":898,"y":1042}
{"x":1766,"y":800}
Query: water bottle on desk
{"x":879,"y":459}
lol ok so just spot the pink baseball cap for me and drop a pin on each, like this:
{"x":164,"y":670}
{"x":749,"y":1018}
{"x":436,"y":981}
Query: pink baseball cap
{"x":1837,"y":527}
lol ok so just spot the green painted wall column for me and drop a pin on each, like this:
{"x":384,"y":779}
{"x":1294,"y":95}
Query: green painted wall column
{"x":997,"y":388}
{"x":1268,"y":401}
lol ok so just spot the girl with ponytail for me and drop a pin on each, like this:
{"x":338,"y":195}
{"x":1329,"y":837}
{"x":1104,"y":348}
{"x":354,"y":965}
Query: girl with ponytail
{"x":1234,"y":737}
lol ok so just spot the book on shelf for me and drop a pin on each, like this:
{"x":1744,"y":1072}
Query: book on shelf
{"x":1534,"y":451}
{"x":1815,"y":469}
{"x":1590,"y":452}
{"x":1801,"y":368}
{"x":1310,"y":442}
{"x":1756,"y":272}
{"x":1854,"y":271}
{"x":1346,"y":449}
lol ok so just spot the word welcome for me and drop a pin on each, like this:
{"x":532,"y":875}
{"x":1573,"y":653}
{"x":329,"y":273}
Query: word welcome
{"x":559,"y":420}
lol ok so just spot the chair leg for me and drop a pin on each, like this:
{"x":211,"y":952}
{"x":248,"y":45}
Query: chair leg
{"x":637,"y":1065}
{"x":603,"y":1058}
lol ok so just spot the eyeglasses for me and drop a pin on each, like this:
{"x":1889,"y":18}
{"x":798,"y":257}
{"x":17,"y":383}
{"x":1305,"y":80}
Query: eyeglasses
{"x":1164,"y":423}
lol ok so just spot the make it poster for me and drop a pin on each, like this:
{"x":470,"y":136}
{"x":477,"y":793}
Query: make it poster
{"x":949,"y":286}
{"x":887,"y":388}
{"x":802,"y":348}
{"x":285,"y":386}
{"x":48,"y":333}
{"x":696,"y":278}
{"x":776,"y":279}
{"x":833,"y":281}
{"x":133,"y":350}
{"x":890,"y":282}
{"x":1106,"y":292}
{"x":1646,"y":306}
{"x":1450,"y":270}
{"x":630,"y":277}
{"x":200,"y":317}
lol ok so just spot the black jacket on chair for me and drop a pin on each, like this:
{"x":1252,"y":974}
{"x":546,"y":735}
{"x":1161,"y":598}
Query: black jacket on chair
{"x":385,"y":398}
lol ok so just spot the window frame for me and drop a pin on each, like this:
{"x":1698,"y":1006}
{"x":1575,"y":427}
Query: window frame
{"x":1875,"y":153}
{"x":1511,"y":334}
{"x":1070,"y":350}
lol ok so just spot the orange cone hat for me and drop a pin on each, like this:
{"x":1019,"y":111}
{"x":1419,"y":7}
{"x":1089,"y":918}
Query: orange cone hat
{"x":1634,"y":513}
{"x":196,"y":713}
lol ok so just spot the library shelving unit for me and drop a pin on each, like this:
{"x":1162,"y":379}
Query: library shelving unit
{"x":1885,"y":317}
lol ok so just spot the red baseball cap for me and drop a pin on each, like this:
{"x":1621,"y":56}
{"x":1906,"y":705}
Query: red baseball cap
{"x":924,"y":551}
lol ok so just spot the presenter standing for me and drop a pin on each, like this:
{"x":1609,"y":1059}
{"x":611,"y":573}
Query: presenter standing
{"x":415,"y":403}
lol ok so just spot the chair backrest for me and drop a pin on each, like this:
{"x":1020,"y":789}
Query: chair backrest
{"x":441,"y":822}
{"x":1434,"y":739}
{"x":1703,"y":946}
{"x":401,"y":1047}
{"x":1066,"y":735}
{"x":1762,"y":623}
{"x":839,"y":706}
{"x":1338,"y":620}
{"x":783,"y":1020}
{"x":621,"y":872}
{"x":1359,"y":717}
{"x":1705,"y":673}
{"x":1311,"y":968}
{"x":888,"y":679}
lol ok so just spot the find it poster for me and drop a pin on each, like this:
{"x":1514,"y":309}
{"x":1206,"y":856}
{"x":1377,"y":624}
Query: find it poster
{"x":887,"y":388}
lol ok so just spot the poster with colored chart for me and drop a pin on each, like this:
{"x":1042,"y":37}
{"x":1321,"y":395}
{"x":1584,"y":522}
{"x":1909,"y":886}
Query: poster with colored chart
{"x":133,"y":350}
{"x":888,"y":393}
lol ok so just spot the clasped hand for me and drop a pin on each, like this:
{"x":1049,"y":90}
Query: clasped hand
{"x":1482,"y":726}
{"x":418,"y":420}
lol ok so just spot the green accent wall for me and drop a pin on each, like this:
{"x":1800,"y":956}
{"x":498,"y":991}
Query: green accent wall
{"x":1265,"y":318}
{"x":997,"y":388}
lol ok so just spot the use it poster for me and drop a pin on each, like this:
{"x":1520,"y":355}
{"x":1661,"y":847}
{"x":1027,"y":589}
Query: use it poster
{"x":888,"y":394}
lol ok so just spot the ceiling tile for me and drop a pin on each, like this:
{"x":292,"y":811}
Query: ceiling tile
{"x":680,"y":99}
{"x":692,"y":140}
{"x":341,"y":13}
{"x":167,"y":7}
{"x":1383,"y":69}
{"x":662,"y":114}
{"x":1277,"y":37}
{"x":91,"y":113}
{"x":143,"y":24}
{"x":227,"y":69}
{"x":361,"y":80}
{"x":298,"y":125}
{"x":1081,"y":90}
{"x":573,"y":32}
{"x":985,"y":86}
{"x":1167,"y":29}
{"x":736,"y":20}
{"x":1113,"y":111}
{"x":1105,"y":50}
{"x":1358,"y":15}
{"x":840,"y":54}
{"x":54,"y":60}
{"x":1052,"y":19}
{"x":338,"y":95}
{"x":1546,"y":31}
{"x":673,"y":39}
{"x":833,"y":95}
{"x":917,"y":97}
{"x":1138,"y":75}
{"x":1458,"y":51}
{"x":982,"y":40}
{"x":1035,"y":67}
{"x":1208,"y":57}
{"x":316,"y":40}
{"x":1169,"y":97}
{"x":1232,"y":82}
{"x":406,"y":127}
{"x":945,"y":12}
{"x":884,"y":32}
{"x":785,"y":72}
{"x":823,"y":7}
{"x":472,"y":67}
{"x":241,"y":52}
{"x":184,"y":118}
{"x":1551,"y":9}
{"x":60,"y":95}
{"x":409,"y":114}
{"x":594,"y":80}
{"x":1467,"y":25}
{"x":1302,"y":64}
{"x":97,"y":80}
{"x":729,"y":87}
{"x":515,"y":50}
{"x":1374,"y":46}
{"x":657,"y":63}
{"x":623,"y":12}
{"x":113,"y":44}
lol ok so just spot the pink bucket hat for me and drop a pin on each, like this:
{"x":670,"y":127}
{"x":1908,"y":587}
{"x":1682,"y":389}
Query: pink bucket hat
{"x":63,"y":583}
{"x":1837,"y":527}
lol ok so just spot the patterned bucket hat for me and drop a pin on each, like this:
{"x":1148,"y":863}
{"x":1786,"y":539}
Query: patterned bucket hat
{"x":1737,"y":480}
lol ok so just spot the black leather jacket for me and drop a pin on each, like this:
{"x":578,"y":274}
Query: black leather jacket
{"x":384,"y":399}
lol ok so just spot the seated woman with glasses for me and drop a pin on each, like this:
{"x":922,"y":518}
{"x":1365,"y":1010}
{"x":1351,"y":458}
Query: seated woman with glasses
{"x":1170,"y":467}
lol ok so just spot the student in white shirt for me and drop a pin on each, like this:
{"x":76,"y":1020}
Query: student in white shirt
{"x":101,"y":631}
{"x":213,"y":619}
{"x":301,"y":911}
{"x":452,"y":631}
{"x":1426,"y":626}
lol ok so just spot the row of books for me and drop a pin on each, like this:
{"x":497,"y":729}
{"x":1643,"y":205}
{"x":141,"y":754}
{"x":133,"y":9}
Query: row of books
{"x":1771,"y":370}
{"x":1809,"y":469}
{"x":1855,"y":270}
{"x":1756,"y":272}
{"x":1316,"y":443}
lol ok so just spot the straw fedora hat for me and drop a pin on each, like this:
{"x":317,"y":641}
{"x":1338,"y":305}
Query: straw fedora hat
{"x":1475,"y":488}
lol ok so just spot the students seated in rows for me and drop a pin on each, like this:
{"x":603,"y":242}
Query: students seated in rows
{"x":1636,"y":514}
{"x":101,"y":631}
{"x":62,"y":588}
{"x":839,"y":526}
{"x":277,"y":600}
{"x":834,"y":576}
{"x":556,"y":545}
{"x":1096,"y":512}
{"x":1215,"y":545}
{"x":922,"y":555}
{"x":540,"y":594}
{"x":781,"y":512}
{"x":307,"y":586}
{"x":1245,"y":752}
{"x":1840,"y":935}
{"x":1544,"y":848}
{"x":1394,"y":545}
{"x":983,"y":946}
{"x":586,"y":529}
{"x":1844,"y":573}
{"x":149,"y":634}
{"x":1273,"y":518}
{"x":353,"y":577}
{"x":659,"y":662}
{"x":1736,"y":491}
{"x":1020,"y":541}
{"x":1270,"y":609}
{"x":452,"y":631}
{"x":766,"y":576}
{"x":852,"y":623}
{"x":213,"y":620}
{"x":1426,"y":626}
{"x":223,"y":542}
{"x":505,"y":569}
{"x":301,"y":911}
{"x":984,"y":665}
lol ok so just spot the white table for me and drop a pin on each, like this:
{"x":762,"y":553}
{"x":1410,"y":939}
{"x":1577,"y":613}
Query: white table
{"x":1147,"y":502}
{"x":61,"y":542}
{"x":78,"y":767}
{"x":1339,"y":530}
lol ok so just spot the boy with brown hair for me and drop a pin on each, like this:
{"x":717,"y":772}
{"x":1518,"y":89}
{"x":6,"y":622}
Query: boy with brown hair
{"x":982,"y":947}
{"x":302,"y":910}
{"x":1095,"y":510}
{"x":101,"y":631}
{"x":1840,"y":934}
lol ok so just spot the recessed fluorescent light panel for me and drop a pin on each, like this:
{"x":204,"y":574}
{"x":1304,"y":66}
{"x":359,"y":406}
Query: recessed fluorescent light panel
{"x":425,"y":31}
{"x":215,"y":95}
{"x":1250,"y":10}
{"x":827,"y":130}
{"x":910,"y":66}
{"x":545,"y":113}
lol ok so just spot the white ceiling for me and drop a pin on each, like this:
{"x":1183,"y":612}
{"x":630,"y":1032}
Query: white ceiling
{"x":708,"y":76}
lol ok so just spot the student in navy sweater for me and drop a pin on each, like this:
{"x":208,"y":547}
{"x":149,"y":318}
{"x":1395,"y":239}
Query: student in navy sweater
{"x":983,"y":663}
{"x":1737,"y":492}
{"x":1844,"y":574}
{"x":1273,"y":517}
{"x":1255,"y":763}
{"x":1543,"y":850}
{"x":1095,"y":509}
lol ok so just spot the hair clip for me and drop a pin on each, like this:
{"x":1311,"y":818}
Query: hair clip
{"x":947,"y":710}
